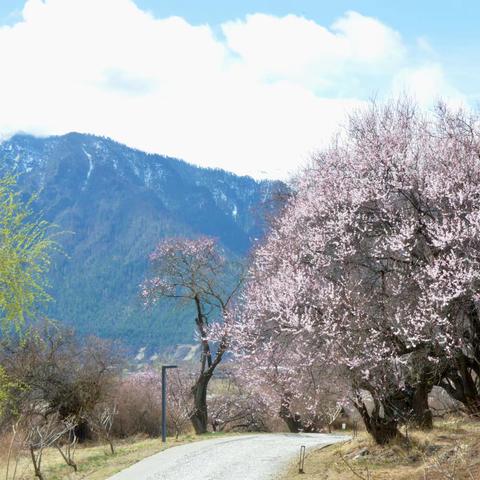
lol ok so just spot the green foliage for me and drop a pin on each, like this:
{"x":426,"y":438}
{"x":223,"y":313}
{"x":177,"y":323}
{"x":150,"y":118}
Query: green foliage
{"x":6,"y":388}
{"x":25,"y":247}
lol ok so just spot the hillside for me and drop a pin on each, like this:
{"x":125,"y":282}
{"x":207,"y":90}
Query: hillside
{"x":114,"y":204}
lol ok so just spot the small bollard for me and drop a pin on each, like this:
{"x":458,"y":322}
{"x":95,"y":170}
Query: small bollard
{"x":301,"y":463}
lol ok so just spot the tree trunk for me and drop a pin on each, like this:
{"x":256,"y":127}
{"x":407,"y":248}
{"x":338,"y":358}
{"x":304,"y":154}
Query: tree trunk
{"x":382,"y":430}
{"x":410,"y":405}
{"x":292,"y":421}
{"x":68,"y":460}
{"x":199,"y":413}
{"x":36,"y":464}
{"x":461,"y":378}
{"x":422,"y":416}
{"x":381,"y":424}
{"x":460,"y":383}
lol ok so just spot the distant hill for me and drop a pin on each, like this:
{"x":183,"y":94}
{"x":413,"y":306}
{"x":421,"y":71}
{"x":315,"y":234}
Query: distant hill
{"x":116,"y":203}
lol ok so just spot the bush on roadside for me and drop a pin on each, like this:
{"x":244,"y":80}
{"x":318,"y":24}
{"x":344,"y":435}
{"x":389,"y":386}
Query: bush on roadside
{"x":139,"y":404}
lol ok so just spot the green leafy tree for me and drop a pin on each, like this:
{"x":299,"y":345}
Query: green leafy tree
{"x":26,"y":244}
{"x":6,"y":387}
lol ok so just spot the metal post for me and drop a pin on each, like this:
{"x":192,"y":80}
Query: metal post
{"x":301,"y":462}
{"x":164,"y":401}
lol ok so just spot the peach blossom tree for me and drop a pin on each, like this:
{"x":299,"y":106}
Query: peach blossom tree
{"x":372,"y":270}
{"x":196,"y":271}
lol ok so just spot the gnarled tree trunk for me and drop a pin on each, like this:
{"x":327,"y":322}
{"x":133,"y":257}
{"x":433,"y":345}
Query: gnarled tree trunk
{"x":291,"y":419}
{"x":410,"y":405}
{"x":199,"y":413}
{"x":381,"y":423}
{"x":422,"y":416}
{"x":461,"y":382}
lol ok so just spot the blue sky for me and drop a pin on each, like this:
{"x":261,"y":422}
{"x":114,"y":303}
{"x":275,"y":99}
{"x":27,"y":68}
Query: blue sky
{"x":251,"y":86}
{"x":450,"y":26}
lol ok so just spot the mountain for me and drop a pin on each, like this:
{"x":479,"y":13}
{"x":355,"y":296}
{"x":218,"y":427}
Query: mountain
{"x":113,"y":204}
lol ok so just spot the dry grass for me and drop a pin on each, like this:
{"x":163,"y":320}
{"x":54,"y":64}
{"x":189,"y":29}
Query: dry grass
{"x":449,"y":452}
{"x":95,"y":462}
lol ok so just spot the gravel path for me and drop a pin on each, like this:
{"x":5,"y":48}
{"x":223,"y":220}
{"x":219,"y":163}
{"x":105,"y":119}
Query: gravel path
{"x":249,"y":457}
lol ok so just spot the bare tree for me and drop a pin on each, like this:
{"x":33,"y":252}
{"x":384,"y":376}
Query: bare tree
{"x":44,"y":431}
{"x":57,"y":372}
{"x":179,"y":401}
{"x":139,"y":402}
{"x":14,"y":448}
{"x":100,"y":420}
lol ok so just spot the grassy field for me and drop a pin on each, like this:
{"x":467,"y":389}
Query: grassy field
{"x":95,"y":462}
{"x":449,"y":452}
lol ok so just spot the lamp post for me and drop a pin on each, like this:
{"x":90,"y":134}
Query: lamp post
{"x":164,"y":400}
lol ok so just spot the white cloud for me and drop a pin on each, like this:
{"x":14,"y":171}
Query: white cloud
{"x":301,"y":50}
{"x":259,"y":99}
{"x":427,"y":84}
{"x":368,"y":40}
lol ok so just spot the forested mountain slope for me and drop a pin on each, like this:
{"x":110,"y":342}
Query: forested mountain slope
{"x":114,"y":204}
